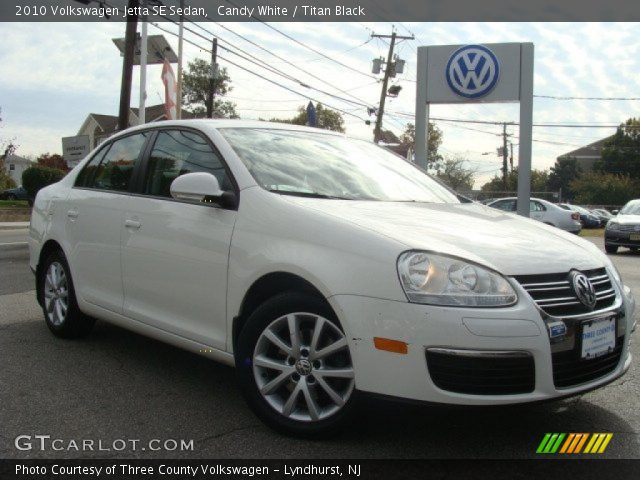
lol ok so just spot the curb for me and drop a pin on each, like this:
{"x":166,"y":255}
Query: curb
{"x":14,"y":225}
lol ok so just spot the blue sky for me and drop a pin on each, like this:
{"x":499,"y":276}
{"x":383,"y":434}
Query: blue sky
{"x":53,"y":75}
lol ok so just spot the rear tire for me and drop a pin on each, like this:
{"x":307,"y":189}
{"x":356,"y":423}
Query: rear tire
{"x":610,"y":248}
{"x":59,"y":305}
{"x":290,"y":380}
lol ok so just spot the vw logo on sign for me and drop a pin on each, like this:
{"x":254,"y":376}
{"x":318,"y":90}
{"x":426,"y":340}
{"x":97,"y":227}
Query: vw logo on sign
{"x":583,"y":289}
{"x":472,"y":71}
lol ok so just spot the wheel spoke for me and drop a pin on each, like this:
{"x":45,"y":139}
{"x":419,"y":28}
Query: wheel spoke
{"x":59,"y":312}
{"x":295,"y":335}
{"x":48,"y":293}
{"x":277,"y":341}
{"x":317,"y":331}
{"x":328,"y":350}
{"x":335,"y":396}
{"x":273,"y":385}
{"x":312,"y":406}
{"x":265,"y":362}
{"x":290,"y":404}
{"x":334,"y":372}
{"x":50,"y":305}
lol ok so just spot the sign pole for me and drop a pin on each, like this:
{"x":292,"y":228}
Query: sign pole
{"x":526,"y":124}
{"x":143,"y":68}
{"x":422,"y":111}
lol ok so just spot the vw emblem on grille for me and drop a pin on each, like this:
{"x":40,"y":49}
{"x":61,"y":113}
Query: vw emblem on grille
{"x":583,"y":289}
{"x":472,"y":71}
{"x":303,"y":367}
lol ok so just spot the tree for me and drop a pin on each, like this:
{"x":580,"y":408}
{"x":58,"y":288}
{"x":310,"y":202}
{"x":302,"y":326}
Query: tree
{"x":53,"y":161}
{"x":539,"y":182}
{"x":196,"y":90}
{"x":452,"y":172}
{"x":408,"y":139}
{"x":37,"y":177}
{"x":621,"y":153}
{"x":596,"y":188}
{"x":565,"y":171}
{"x":326,"y":118}
{"x":7,"y":147}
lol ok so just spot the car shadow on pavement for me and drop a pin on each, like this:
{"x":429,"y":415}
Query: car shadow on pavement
{"x":116,"y":384}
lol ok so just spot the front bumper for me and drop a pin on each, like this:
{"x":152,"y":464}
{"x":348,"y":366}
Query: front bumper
{"x":518,"y":328}
{"x":621,"y":239}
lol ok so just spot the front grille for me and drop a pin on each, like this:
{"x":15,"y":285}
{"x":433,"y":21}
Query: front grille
{"x":555,"y":296}
{"x":487,"y":373}
{"x":628,"y":228}
{"x":570,"y":370}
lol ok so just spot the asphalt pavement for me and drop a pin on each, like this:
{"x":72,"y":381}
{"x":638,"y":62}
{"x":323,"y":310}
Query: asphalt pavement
{"x":119,"y":385}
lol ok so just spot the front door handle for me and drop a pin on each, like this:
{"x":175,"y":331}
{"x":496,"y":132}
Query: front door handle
{"x":132,"y":224}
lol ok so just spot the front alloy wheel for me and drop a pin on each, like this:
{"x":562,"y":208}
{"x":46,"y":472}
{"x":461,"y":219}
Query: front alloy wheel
{"x":302,"y":367}
{"x":56,"y":294}
{"x":294,"y":366}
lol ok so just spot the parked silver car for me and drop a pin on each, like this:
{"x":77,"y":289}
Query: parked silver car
{"x":545,"y":212}
{"x":624,"y":229}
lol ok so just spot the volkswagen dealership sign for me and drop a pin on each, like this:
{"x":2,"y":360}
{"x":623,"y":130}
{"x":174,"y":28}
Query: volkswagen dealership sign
{"x":472,"y":71}
{"x":478,"y":73}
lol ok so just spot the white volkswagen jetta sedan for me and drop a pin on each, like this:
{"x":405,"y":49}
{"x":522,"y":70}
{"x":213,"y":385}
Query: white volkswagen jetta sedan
{"x":322,"y":268}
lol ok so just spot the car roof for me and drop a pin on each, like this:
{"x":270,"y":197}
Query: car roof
{"x":216,"y":123}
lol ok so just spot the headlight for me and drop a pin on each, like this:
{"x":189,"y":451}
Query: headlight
{"x":611,"y":225}
{"x":439,"y":280}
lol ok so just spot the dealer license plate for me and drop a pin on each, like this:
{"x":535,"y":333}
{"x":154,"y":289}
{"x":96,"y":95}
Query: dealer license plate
{"x":598,"y":337}
{"x":634,"y":236}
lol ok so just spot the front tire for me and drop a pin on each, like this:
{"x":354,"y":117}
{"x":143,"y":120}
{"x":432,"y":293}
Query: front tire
{"x":610,"y":248}
{"x":59,"y":305}
{"x":294,"y":367}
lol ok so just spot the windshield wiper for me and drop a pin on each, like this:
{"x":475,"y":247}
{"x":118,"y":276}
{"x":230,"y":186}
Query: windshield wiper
{"x":309,"y":194}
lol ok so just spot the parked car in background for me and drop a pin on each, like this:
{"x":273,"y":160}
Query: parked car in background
{"x":588,"y":219}
{"x":18,"y":193}
{"x":543,"y":211}
{"x":623,"y":230}
{"x":603,"y":215}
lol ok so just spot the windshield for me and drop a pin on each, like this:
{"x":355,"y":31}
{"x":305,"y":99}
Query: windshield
{"x":631,"y":208}
{"x":330,"y":166}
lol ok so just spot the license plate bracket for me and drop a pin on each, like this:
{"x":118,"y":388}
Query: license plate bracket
{"x":634,"y":236}
{"x":598,"y":337}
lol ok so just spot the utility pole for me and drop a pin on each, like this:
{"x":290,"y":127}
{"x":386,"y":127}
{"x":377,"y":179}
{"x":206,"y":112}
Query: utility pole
{"x":127,"y":63}
{"x":505,"y":154}
{"x":179,"y":84}
{"x":212,"y":78}
{"x":511,"y":157}
{"x":388,"y":72}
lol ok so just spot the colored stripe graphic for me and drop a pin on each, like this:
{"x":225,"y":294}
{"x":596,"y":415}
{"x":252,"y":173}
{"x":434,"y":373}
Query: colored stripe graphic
{"x":573,"y":443}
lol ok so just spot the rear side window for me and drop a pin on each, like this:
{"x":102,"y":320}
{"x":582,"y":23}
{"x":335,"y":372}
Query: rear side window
{"x":113,"y":169}
{"x":506,"y":205}
{"x":177,"y":152}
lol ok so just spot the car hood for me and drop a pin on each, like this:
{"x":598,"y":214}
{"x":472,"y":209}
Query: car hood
{"x":505,"y":242}
{"x":626,"y":219}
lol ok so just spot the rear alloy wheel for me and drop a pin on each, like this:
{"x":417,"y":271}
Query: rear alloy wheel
{"x":294,"y":366}
{"x":61,"y":312}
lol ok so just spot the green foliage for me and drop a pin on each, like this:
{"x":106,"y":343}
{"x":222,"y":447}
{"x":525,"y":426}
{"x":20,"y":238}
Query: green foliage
{"x":408,"y":138}
{"x":53,"y":161}
{"x":539,"y":182}
{"x":196,"y":90}
{"x":621,"y":153}
{"x":595,"y":188}
{"x":37,"y":177}
{"x":5,"y":180}
{"x":453,"y":172}
{"x":327,"y":118}
{"x":565,"y":171}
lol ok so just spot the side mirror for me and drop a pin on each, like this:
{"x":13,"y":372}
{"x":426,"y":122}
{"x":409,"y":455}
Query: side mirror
{"x":200,"y":187}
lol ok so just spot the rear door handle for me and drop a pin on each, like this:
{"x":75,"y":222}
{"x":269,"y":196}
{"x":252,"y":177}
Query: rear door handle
{"x":133,"y":224}
{"x":73,"y":214}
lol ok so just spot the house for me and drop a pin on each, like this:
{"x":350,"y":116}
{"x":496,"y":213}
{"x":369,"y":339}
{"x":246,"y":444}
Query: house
{"x":15,"y":165}
{"x":588,"y":155}
{"x":99,"y":127}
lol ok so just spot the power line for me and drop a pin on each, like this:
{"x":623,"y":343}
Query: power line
{"x":260,"y":76}
{"x":553,"y":97}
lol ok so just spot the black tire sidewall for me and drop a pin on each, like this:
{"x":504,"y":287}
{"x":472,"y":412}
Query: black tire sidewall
{"x":256,"y":323}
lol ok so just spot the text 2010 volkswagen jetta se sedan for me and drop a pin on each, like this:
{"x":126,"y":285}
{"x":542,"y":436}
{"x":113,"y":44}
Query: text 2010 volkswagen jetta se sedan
{"x":323,"y":267}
